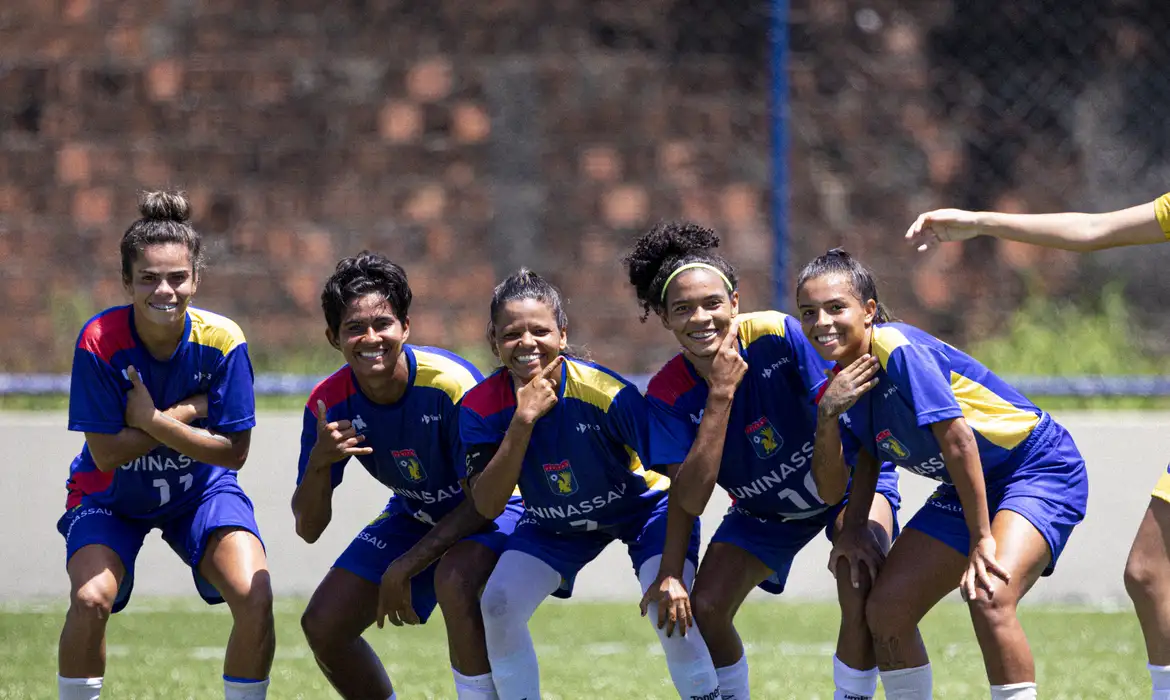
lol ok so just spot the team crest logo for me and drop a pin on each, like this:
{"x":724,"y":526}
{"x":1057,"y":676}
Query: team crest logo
{"x":561,"y":479}
{"x":889,"y":444}
{"x":764,"y":438}
{"x":408,"y":464}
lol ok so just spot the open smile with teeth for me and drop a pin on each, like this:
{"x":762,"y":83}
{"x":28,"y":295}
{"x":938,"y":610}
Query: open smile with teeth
{"x":827,"y":338}
{"x":702,"y":336}
{"x":163,"y":307}
{"x":371,"y":354}
{"x":527,"y":359}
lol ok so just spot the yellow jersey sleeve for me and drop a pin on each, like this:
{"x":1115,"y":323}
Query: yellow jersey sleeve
{"x":1162,"y":210}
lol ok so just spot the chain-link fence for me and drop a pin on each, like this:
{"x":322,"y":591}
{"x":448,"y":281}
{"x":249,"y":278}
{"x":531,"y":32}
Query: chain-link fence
{"x":1027,"y":106}
{"x":468,"y":139}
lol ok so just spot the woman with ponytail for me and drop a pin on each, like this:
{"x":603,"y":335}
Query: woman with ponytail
{"x":737,"y":407}
{"x":1013,"y":482}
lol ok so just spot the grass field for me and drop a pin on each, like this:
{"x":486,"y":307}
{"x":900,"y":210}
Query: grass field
{"x":172,"y":649}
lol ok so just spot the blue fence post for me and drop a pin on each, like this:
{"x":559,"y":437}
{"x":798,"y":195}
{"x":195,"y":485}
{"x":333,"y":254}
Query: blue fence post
{"x":778,"y":44}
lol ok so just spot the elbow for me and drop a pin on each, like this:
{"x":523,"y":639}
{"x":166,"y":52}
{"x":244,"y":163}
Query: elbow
{"x":832,"y":494}
{"x":487,"y":505}
{"x":241,"y":444}
{"x":488,"y":508}
{"x":691,"y":501}
{"x":1091,"y":235}
{"x":103,"y":463}
{"x":306,"y":532}
{"x":236,"y":460}
{"x":958,"y":444}
{"x":831,"y":490}
{"x":693,"y":493}
{"x":234,"y":464}
{"x":692,"y":507}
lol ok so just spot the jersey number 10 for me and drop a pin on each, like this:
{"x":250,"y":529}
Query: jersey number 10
{"x":164,"y":488}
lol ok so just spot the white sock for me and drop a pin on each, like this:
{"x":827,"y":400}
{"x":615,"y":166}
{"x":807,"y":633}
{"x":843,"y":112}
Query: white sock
{"x":852,"y":684}
{"x":687,"y":657}
{"x":733,"y":680}
{"x":1160,"y":679}
{"x":908,"y":683}
{"x":78,"y":688}
{"x":244,"y":688}
{"x":1014,"y":691}
{"x":479,"y":687}
{"x":517,"y":586}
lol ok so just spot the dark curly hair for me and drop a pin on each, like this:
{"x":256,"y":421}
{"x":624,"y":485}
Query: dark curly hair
{"x":665,"y":248}
{"x":362,"y":274}
{"x":839,"y":262}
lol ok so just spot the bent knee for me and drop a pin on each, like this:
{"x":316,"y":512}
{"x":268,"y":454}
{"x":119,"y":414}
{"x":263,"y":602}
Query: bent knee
{"x":711,"y":609}
{"x":1145,"y":578}
{"x":457,"y":588}
{"x":253,"y":604}
{"x":888,"y":614}
{"x":994,"y":611}
{"x":319,"y":627}
{"x":495,"y":604}
{"x":94,"y":599}
{"x":853,"y":603}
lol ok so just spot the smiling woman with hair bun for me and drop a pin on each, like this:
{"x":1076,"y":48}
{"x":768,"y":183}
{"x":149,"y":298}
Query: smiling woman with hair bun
{"x":163,"y":392}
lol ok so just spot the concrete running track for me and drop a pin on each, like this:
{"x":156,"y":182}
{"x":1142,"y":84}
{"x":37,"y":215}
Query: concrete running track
{"x":1126,"y":453}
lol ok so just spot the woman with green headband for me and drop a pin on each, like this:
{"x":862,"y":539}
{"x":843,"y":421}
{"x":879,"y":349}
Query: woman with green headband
{"x":743,"y":414}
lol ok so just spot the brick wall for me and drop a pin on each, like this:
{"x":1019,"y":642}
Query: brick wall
{"x":462,"y":139}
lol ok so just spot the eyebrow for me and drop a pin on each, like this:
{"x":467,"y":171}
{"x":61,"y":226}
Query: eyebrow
{"x":826,"y":301}
{"x":358,"y":319}
{"x":709,"y":297}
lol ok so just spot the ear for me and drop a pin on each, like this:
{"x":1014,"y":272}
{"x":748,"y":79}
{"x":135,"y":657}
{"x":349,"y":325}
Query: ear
{"x":564,"y":338}
{"x":406,"y":329}
{"x":734,"y":303}
{"x":870,"y":308}
{"x":332,"y":338}
{"x":491,"y":338}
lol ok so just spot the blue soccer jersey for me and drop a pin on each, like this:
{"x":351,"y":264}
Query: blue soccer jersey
{"x":415,"y":441}
{"x":583,"y":467}
{"x":212,"y":358}
{"x":923,"y":380}
{"x":767,"y":453}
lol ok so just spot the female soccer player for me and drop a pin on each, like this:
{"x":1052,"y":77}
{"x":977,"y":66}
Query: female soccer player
{"x":393,"y":407}
{"x":736,"y":408}
{"x":1147,"y":572}
{"x":163,"y":393}
{"x":572,"y":434}
{"x":1013,"y":483}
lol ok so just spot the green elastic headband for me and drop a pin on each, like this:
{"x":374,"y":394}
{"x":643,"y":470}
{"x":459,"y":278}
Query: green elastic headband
{"x":693,"y":266}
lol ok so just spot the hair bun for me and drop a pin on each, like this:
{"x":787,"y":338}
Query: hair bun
{"x":165,"y":206}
